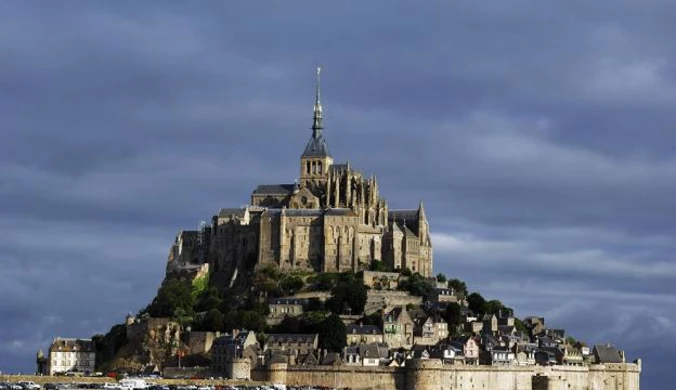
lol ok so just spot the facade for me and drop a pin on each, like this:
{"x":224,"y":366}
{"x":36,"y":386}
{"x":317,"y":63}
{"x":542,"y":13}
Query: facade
{"x":431,"y":331}
{"x":363,"y":334}
{"x":282,"y":307}
{"x":398,"y":328}
{"x":332,"y":219}
{"x":231,"y":347}
{"x":292,"y":344}
{"x":70,"y":355}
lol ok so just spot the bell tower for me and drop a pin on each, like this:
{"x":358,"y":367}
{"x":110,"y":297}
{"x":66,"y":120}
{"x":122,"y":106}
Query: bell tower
{"x":316,"y":159}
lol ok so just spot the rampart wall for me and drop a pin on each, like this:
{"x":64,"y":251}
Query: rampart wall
{"x":430,"y":374}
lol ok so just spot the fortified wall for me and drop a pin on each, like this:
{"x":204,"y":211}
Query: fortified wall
{"x":431,"y":374}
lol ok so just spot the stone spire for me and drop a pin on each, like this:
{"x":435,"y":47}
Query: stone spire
{"x":317,"y":117}
{"x":316,"y":147}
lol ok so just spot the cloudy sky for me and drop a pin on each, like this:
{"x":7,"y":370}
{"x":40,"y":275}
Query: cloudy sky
{"x":540,"y":137}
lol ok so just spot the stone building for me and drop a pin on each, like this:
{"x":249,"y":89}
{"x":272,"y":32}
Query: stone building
{"x":331,"y":219}
{"x":70,"y":355}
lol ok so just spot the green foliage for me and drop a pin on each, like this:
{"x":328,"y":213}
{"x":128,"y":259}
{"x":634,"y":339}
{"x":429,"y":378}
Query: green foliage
{"x":373,"y":319}
{"x":251,"y":319}
{"x":494,"y":306}
{"x":172,"y":295}
{"x":476,"y":303}
{"x":418,"y":285}
{"x":323,"y":281}
{"x":348,"y":296}
{"x":271,"y":271}
{"x":307,"y":323}
{"x":315,"y":304}
{"x":209,"y":299}
{"x":520,"y":326}
{"x":199,"y":285}
{"x":406,"y":272}
{"x":458,"y":286}
{"x":213,"y":321}
{"x":332,"y":333}
{"x":441,"y":278}
{"x":379,"y":266}
{"x":453,"y":317}
{"x":291,"y":284}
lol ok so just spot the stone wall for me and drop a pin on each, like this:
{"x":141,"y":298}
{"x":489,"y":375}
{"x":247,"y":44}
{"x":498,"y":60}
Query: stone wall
{"x":376,"y":300}
{"x":353,"y":377}
{"x":199,"y":342}
{"x":431,"y":374}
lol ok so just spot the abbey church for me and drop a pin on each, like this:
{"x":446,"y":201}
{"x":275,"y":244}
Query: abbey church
{"x":332,"y":219}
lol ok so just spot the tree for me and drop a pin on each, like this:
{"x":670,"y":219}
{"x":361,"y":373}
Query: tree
{"x":493,"y":306}
{"x":453,"y":317}
{"x":213,"y":321}
{"x":520,"y":327}
{"x":172,"y":295}
{"x":332,"y":333}
{"x":324,"y":281}
{"x":208,"y":299}
{"x":291,"y":284}
{"x":441,"y":278}
{"x":379,"y":266}
{"x":418,"y":285}
{"x":476,"y":303}
{"x":458,"y":286}
{"x":348,"y":295}
{"x":406,"y":272}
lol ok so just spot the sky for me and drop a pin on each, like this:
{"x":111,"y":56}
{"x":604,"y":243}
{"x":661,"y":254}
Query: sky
{"x":540,"y":136}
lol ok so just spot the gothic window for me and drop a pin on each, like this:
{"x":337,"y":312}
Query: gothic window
{"x":307,"y":168}
{"x":319,"y":167}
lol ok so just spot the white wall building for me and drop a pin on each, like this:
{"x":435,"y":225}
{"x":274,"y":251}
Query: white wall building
{"x":76,"y":355}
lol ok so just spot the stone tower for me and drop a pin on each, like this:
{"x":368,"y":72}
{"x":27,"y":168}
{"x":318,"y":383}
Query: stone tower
{"x":316,"y":159}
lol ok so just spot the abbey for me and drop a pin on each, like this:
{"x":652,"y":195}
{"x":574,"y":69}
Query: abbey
{"x":332,"y":219}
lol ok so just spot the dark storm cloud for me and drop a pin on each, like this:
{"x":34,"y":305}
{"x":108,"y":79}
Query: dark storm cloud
{"x":538,"y":135}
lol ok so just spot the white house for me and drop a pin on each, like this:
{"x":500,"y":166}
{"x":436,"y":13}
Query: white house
{"x":74,"y":355}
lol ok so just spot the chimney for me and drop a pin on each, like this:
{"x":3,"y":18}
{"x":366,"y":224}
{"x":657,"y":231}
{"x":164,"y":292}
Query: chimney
{"x":622,"y":356}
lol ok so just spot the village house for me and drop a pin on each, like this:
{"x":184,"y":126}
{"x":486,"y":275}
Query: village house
{"x":607,"y":354}
{"x":498,"y":356}
{"x":282,"y":307}
{"x":430,"y":331}
{"x":236,"y":345}
{"x":70,"y":355}
{"x":363,"y":334}
{"x":291,"y":344}
{"x":445,"y":295}
{"x":398,"y":328}
{"x":470,"y":349}
{"x":490,"y":322}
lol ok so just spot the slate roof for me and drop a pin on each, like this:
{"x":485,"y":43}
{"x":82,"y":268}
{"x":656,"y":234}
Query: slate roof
{"x":340,"y":212}
{"x":274,"y":189}
{"x":223,"y":213}
{"x":287,"y":301}
{"x":332,"y":359}
{"x":72,"y":345}
{"x":291,"y":337}
{"x":369,"y":351}
{"x":316,"y":147}
{"x":304,"y":212}
{"x":607,"y":354}
{"x":363,"y":329}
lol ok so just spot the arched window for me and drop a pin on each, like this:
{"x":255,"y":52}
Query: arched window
{"x":319,"y":167}
{"x":308,"y":168}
